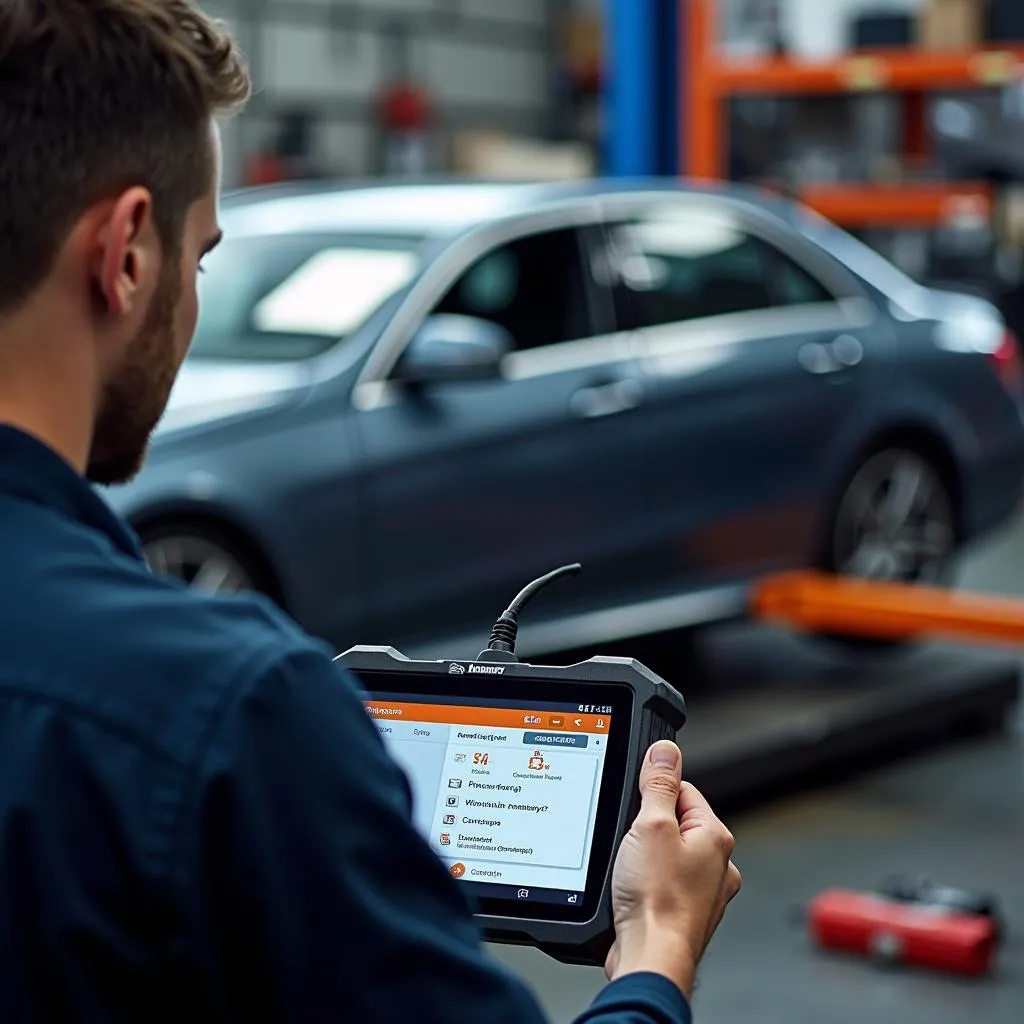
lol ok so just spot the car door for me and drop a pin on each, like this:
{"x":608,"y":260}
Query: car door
{"x":752,"y":366}
{"x":474,"y":488}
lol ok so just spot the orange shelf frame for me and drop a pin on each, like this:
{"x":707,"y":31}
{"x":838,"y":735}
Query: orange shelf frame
{"x":922,"y":204}
{"x":870,"y":71}
{"x":707,"y":82}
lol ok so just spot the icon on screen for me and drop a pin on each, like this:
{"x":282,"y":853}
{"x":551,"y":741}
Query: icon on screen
{"x":457,"y":870}
{"x":537,"y":762}
{"x":452,"y":801}
{"x":455,"y":783}
{"x":524,"y":894}
{"x":577,"y":722}
{"x":556,"y":721}
{"x":572,"y":898}
{"x":449,"y":819}
{"x":600,"y":723}
{"x":459,"y":758}
{"x":446,"y":839}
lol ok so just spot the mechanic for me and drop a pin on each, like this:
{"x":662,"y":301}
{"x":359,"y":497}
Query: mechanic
{"x":198,"y":820}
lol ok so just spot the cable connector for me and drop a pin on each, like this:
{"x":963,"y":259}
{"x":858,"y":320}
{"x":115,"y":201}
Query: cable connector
{"x":502,"y":644}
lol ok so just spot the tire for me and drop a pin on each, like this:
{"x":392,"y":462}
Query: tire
{"x":205,"y":556}
{"x":895,"y":520}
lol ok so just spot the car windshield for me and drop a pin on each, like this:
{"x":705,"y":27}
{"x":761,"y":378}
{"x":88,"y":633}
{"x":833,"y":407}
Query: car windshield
{"x":288,"y":297}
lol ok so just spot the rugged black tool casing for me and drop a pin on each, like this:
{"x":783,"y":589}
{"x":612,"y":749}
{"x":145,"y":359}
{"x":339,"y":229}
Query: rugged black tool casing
{"x":658,"y":712}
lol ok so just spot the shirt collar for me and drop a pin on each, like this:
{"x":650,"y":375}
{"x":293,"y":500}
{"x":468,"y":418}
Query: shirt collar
{"x":34,"y":472}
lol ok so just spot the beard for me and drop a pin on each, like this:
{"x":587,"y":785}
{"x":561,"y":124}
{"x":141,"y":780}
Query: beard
{"x":134,"y":399}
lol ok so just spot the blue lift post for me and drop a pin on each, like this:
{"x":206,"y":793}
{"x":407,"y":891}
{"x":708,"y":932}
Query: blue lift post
{"x":641,"y":104}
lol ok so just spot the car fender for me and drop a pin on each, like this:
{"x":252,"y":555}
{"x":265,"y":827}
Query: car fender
{"x":202,"y":498}
{"x":910,"y":417}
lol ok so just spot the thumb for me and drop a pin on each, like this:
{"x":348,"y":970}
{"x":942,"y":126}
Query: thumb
{"x":660,"y":778}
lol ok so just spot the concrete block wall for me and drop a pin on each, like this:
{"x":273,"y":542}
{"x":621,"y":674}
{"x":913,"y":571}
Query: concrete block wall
{"x":486,"y":64}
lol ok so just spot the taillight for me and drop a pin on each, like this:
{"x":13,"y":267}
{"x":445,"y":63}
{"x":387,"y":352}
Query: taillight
{"x":1007,"y":362}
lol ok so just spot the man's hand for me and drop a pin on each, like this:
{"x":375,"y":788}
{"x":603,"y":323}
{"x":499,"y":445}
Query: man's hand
{"x":673,"y":876}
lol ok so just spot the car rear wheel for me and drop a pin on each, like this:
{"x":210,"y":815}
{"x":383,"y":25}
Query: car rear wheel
{"x":895,"y":521}
{"x":205,"y":558}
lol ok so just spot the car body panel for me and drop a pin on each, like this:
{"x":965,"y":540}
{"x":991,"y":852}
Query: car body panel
{"x":675,"y":460}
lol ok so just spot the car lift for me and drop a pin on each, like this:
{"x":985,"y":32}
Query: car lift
{"x":767,"y":711}
{"x":754,"y":729}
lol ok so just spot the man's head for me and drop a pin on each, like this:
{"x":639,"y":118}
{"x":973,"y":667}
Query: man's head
{"x":109,"y":172}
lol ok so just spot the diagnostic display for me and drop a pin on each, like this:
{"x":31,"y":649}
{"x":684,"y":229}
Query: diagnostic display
{"x":523,"y":780}
{"x":506,"y":791}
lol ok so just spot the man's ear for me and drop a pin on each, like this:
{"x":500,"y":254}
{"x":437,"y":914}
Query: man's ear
{"x":127,"y":251}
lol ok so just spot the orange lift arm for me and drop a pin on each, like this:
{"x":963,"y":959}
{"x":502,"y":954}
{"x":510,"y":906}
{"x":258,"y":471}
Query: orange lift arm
{"x":818,"y":602}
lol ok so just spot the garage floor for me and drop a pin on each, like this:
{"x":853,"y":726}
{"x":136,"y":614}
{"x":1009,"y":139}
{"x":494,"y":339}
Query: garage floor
{"x":956,"y":814}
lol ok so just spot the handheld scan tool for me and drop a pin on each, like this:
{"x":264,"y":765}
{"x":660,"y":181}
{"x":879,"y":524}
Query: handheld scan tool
{"x":524,"y":777}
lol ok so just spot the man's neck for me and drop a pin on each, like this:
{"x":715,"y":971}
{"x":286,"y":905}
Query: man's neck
{"x":51,"y":434}
{"x":48,"y":388}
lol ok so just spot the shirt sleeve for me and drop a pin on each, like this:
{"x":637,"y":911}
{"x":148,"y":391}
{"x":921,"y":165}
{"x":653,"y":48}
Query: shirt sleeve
{"x":313,"y":892}
{"x":641,"y":998}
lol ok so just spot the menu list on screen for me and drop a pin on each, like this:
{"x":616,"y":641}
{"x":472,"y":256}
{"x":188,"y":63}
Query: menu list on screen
{"x":507,"y":796}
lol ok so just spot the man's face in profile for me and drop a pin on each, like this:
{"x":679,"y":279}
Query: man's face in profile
{"x":136,"y":394}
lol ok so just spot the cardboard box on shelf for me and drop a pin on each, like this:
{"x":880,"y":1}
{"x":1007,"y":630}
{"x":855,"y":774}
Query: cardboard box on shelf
{"x":887,"y":169}
{"x":951,"y":24}
{"x":1009,"y":220}
{"x":495,"y":155}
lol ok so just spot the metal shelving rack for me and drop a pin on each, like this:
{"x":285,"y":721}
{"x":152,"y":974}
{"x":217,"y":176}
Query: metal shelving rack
{"x":707,"y":83}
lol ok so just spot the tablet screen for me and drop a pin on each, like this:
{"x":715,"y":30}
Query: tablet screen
{"x":508,"y":791}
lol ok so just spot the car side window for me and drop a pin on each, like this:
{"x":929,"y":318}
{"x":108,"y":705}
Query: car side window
{"x":674,"y":268}
{"x":535,"y":287}
{"x":792,"y":285}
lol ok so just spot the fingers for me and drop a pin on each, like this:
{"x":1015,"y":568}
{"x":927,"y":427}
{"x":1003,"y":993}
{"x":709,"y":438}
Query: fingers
{"x":611,"y":963}
{"x":691,"y":803}
{"x":659,"y":781}
{"x":733,"y":882}
{"x":696,"y":818}
{"x":731,"y":885}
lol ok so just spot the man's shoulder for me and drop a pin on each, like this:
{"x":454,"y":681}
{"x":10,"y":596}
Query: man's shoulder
{"x":207,"y":652}
{"x":104,"y":639}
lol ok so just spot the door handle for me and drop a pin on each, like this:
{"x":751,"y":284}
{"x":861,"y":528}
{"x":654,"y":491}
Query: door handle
{"x":847,"y":350}
{"x":818,"y":359}
{"x":607,"y":399}
{"x":844,"y":353}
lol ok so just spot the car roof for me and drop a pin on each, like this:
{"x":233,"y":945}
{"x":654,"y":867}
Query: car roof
{"x":436,"y":208}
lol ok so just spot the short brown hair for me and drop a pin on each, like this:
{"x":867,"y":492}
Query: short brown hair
{"x":97,"y":96}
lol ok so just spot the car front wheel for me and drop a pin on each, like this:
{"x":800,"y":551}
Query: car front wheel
{"x":199,"y":559}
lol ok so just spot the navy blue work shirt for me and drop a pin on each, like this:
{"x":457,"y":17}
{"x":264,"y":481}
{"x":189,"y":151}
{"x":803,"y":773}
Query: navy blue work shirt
{"x":198,"y":820}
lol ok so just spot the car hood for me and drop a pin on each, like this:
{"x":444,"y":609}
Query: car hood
{"x":206,"y":391}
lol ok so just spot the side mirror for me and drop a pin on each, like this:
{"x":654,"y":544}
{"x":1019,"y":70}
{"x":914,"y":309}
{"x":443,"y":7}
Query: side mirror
{"x":450,"y":348}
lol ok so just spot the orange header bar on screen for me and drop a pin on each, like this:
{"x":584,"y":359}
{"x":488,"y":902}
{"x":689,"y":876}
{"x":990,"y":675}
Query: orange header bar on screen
{"x":498,"y":718}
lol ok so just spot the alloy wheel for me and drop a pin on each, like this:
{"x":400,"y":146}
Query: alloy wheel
{"x":199,"y":563}
{"x":895,"y":521}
